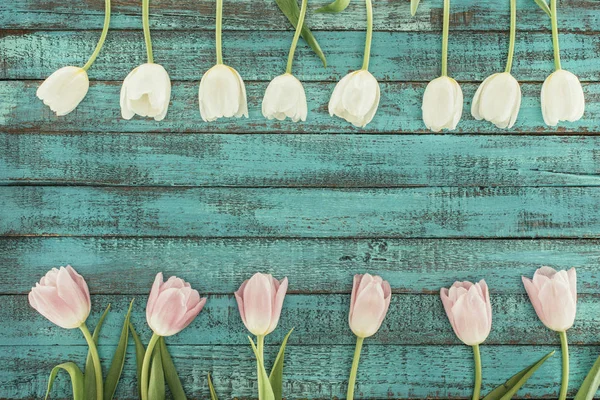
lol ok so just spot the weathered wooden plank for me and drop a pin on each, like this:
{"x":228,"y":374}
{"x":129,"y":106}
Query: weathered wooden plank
{"x":399,"y":56}
{"x":234,"y":212}
{"x":316,"y":372}
{"x":576,"y":15}
{"x":399,"y":111}
{"x":312,"y":265}
{"x":298,"y":160}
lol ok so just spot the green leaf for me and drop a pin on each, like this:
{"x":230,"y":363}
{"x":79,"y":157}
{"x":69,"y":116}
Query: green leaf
{"x":213,"y":394}
{"x":292,"y":12}
{"x":118,"y":360}
{"x":265,"y":391}
{"x":156,"y":388}
{"x":170,"y":372}
{"x":509,"y":388}
{"x":544,"y":6}
{"x":334,"y":7}
{"x":276,"y":377}
{"x":76,"y":379}
{"x":590,"y":384}
{"x":414,"y":4}
{"x":140,"y":352}
{"x":89,"y":377}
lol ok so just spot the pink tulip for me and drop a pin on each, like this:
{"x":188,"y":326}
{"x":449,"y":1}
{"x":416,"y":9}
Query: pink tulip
{"x":368,"y":305}
{"x":260,"y":300}
{"x":469,"y":310}
{"x":63,"y":297}
{"x":554,"y":297}
{"x":172,"y":305}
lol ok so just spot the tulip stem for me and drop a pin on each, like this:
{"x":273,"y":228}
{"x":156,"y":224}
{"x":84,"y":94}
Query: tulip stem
{"x":446,"y":30}
{"x":260,"y":346}
{"x":218,"y":29}
{"x":145,"y":374}
{"x":564,"y":385}
{"x":146,"y":26}
{"x":95,"y":359}
{"x":555,"y":44}
{"x":299,"y":26}
{"x":369,"y":37}
{"x":100,"y":43}
{"x":354,"y":370}
{"x":513,"y":35}
{"x":477,"y":359}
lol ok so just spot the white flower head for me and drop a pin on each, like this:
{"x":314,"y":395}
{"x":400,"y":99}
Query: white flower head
{"x":355,"y":98}
{"x":285,"y":97}
{"x":146,"y":91}
{"x":64,"y":89}
{"x":562,"y":98}
{"x":498,"y":100}
{"x":222,"y":93}
{"x":442,"y":104}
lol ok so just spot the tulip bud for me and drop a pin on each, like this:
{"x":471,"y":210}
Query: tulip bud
{"x":469,"y":310}
{"x":442,"y":104}
{"x":498,"y":100}
{"x":172,"y":305}
{"x":562,"y":98}
{"x":553,"y":296}
{"x":64,"y":89}
{"x":222,"y":93}
{"x":285,"y":97}
{"x":369,"y":304}
{"x":63,"y":297}
{"x":355,"y":98}
{"x":260,"y":300}
{"x":146,"y":91}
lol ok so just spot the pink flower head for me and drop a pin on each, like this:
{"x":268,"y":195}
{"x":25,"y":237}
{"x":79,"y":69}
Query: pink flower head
{"x":260,"y":300}
{"x":172,"y":305}
{"x":369,"y":304}
{"x":554,"y":297}
{"x":63,"y":297}
{"x":469,"y":310}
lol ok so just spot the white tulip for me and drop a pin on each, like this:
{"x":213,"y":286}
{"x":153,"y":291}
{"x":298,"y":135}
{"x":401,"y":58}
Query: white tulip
{"x":498,"y":100}
{"x":222,"y":94}
{"x":355,"y":98}
{"x":64,"y":89}
{"x":562,"y":98}
{"x":285,"y":97}
{"x":146,"y":91}
{"x":442,"y":104}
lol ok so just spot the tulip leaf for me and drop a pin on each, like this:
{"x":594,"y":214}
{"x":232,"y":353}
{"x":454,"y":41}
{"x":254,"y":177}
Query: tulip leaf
{"x":544,"y":6}
{"x":77,"y":380}
{"x":213,"y":393}
{"x":118,"y":360}
{"x":89,"y":377}
{"x":414,"y":4}
{"x":590,"y":384}
{"x":170,"y":372}
{"x":265,"y":391}
{"x":334,"y":7}
{"x":156,"y":387}
{"x":509,"y":388}
{"x":140,"y":352}
{"x":276,"y":377}
{"x":292,"y":12}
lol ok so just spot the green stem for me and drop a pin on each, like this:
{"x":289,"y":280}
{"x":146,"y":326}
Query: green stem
{"x":446,"y":30}
{"x":477,"y":359}
{"x":290,"y":61}
{"x":260,"y":346}
{"x":369,"y":37}
{"x":564,"y":386}
{"x":555,"y":44}
{"x":100,"y":43}
{"x":354,"y":370}
{"x":513,"y":35}
{"x":218,"y":28}
{"x":146,"y":25}
{"x":95,"y":359}
{"x":145,"y":374}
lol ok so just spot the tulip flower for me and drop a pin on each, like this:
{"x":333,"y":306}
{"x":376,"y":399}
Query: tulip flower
{"x":63,"y":297}
{"x":554,"y":297}
{"x":146,"y":91}
{"x":66,"y":87}
{"x":172,"y":306}
{"x":369,"y":304}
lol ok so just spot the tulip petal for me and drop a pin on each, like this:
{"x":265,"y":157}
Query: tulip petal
{"x":257,"y":304}
{"x":168,"y":311}
{"x":154,"y":292}
{"x":64,"y":89}
{"x":281,"y":290}
{"x":558,"y":306}
{"x":70,"y":292}
{"x":368,"y":310}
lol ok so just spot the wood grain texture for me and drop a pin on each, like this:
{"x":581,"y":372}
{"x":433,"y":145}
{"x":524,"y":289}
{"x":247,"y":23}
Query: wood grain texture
{"x":399,"y":112}
{"x":395,"y":56}
{"x":298,"y":160}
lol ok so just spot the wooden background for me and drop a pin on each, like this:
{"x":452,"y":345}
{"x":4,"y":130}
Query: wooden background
{"x":316,"y":201}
